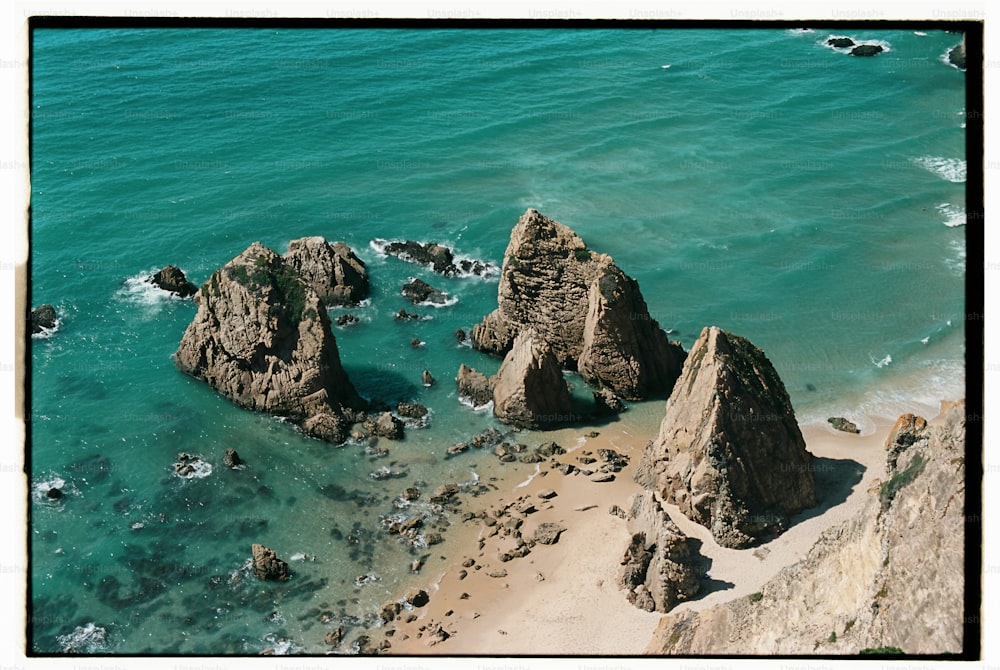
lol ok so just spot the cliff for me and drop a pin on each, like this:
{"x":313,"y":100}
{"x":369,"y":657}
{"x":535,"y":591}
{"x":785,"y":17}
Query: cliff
{"x":262,"y":338}
{"x":891,"y":576}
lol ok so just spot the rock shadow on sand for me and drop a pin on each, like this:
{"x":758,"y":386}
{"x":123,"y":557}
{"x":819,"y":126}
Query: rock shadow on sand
{"x":835,"y":481}
{"x":707,"y":585}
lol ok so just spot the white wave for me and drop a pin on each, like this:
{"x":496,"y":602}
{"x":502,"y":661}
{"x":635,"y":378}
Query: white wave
{"x":800,"y":31}
{"x":87,"y":639}
{"x":139,"y":290}
{"x":949,"y":169}
{"x":473,"y":406}
{"x":471,"y":482}
{"x":46,"y":333}
{"x":242,"y":573}
{"x":925,"y":340}
{"x":378,"y":245}
{"x":282,"y":646}
{"x":489,"y":271}
{"x":956,"y":262}
{"x":40,"y":489}
{"x":300,"y":556}
{"x":538,"y":468}
{"x":367,"y":578}
{"x":947,"y":61}
{"x":881,"y":363}
{"x":919,"y":33}
{"x":448,"y":302}
{"x":193,"y":468}
{"x":954,"y":215}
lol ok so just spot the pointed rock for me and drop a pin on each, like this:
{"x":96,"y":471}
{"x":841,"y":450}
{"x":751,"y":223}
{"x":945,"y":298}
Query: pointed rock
{"x":337,"y":275}
{"x":729,"y":453}
{"x":172,"y":279}
{"x":530,"y":390}
{"x":262,"y":338}
{"x":267,"y":565}
{"x":624,"y":349}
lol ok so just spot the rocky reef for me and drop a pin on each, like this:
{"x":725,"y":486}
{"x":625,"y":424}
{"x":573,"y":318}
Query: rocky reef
{"x":43,"y":319}
{"x":729,"y":452}
{"x":890,"y":578}
{"x":171,"y":278}
{"x":590,"y":313}
{"x":262,"y":338}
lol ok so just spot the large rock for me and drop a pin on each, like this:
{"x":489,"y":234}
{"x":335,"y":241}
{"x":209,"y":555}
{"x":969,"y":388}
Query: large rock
{"x":891,"y":575}
{"x":43,"y":318}
{"x":262,"y":338}
{"x":547,"y":282}
{"x":623,"y":348}
{"x":439,"y":257}
{"x":530,"y":390}
{"x":337,"y":275}
{"x":172,"y":279}
{"x":660,"y":568}
{"x":267,"y":565}
{"x":418,"y":291}
{"x":474,"y":385}
{"x":729,"y":452}
{"x":867,"y":50}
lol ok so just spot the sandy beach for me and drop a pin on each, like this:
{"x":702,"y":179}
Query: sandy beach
{"x":564,"y":598}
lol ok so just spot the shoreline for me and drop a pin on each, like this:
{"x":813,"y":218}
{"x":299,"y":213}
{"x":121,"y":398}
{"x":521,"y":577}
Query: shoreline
{"x":564,"y":598}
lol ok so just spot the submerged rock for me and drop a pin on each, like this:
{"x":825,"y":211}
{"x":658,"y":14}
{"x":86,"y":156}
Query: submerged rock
{"x":337,"y":275}
{"x":262,"y":338}
{"x":267,"y":565}
{"x":729,"y":453}
{"x":840,"y":42}
{"x":530,"y":391}
{"x":43,"y":318}
{"x":172,"y":279}
{"x":589,"y":312}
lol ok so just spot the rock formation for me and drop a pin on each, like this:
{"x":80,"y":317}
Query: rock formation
{"x":262,"y":338}
{"x":840,"y":42}
{"x":267,"y":565}
{"x":729,"y":453}
{"x":842,"y":424}
{"x":172,"y":279}
{"x":867,"y":50}
{"x":43,"y":318}
{"x":474,"y":385}
{"x":418,"y":291}
{"x":337,"y":275}
{"x":439,"y":257}
{"x":530,"y":391}
{"x":579,"y":302}
{"x":660,"y":569}
{"x":889,"y":576}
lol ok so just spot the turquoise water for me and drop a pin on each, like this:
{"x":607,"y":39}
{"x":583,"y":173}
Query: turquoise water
{"x":808,"y":200}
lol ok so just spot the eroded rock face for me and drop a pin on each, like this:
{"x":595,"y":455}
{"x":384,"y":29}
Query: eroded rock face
{"x":729,"y":453}
{"x":624,"y":349}
{"x":530,"y":390}
{"x":337,"y":275}
{"x":262,"y":338}
{"x":474,"y":385}
{"x":890,"y":575}
{"x":546,"y":283}
{"x":660,"y":569}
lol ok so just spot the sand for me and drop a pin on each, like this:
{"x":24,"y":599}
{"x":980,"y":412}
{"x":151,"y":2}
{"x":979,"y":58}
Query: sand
{"x":563,"y":598}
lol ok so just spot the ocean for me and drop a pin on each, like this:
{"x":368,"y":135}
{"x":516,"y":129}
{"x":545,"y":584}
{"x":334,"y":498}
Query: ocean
{"x":755,"y":179}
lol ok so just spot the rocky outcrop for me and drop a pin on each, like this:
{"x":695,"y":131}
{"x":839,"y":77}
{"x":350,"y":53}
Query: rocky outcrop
{"x":623,"y":348}
{"x":474,"y":385}
{"x":956,"y":55}
{"x":262,"y":338}
{"x":581,"y":304}
{"x":660,"y":568}
{"x":842,"y":424}
{"x":426,"y":378}
{"x":337,"y":275}
{"x":840,"y":42}
{"x":438,"y":257}
{"x":43,"y":318}
{"x":729,"y":453}
{"x":418,"y":291}
{"x":530,"y":391}
{"x":867,"y":50}
{"x":606,"y":403}
{"x":267,"y":565}
{"x":172,"y":279}
{"x":889,"y":576}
